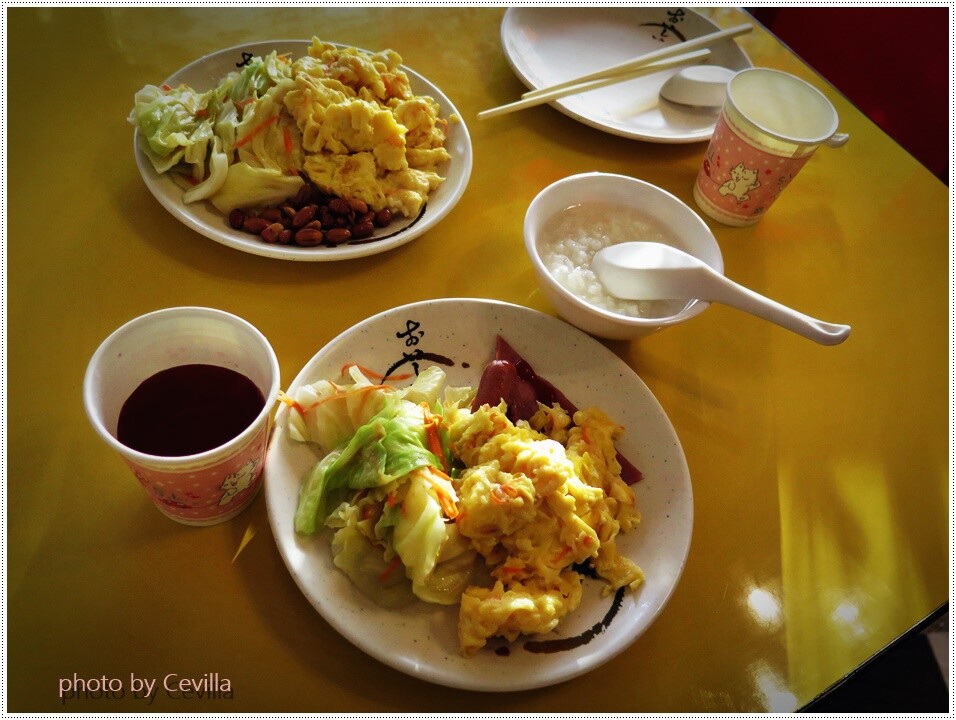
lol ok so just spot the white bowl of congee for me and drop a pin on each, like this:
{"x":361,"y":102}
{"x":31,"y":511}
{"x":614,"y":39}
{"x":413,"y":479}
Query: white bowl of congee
{"x":570,"y":220}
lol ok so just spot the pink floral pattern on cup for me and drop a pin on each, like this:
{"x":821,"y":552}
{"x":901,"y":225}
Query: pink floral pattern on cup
{"x":207,"y":494}
{"x":738,"y":181}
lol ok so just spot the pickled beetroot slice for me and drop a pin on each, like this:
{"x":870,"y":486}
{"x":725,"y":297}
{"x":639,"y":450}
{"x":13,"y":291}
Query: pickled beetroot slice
{"x":511,"y":378}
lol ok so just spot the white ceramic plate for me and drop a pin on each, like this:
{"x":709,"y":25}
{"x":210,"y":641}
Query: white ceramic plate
{"x":459,"y":334}
{"x":202,"y":217}
{"x":548,"y":45}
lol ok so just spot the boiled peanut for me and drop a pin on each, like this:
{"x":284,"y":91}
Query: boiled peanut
{"x":303,"y":196}
{"x":255,"y":225}
{"x":339,"y":206}
{"x":271,"y":233}
{"x":304,"y":216}
{"x":336,"y":236}
{"x":363,"y":230}
{"x":309,"y":237}
{"x":312,"y":218}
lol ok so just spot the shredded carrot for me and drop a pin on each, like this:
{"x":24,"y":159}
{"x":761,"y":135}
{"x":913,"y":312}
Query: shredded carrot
{"x":396,"y":561}
{"x":444,"y":499}
{"x":166,"y":87}
{"x":372,"y":374}
{"x":447,"y":504}
{"x":287,"y":400}
{"x":202,"y":113}
{"x":557,"y":559}
{"x":364,"y":390}
{"x":502,"y":493}
{"x":432,"y":428}
{"x":287,"y":140}
{"x":256,"y":130}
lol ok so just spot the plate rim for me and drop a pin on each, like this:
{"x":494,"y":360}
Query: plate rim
{"x":430,"y":671}
{"x":156,"y":183}
{"x":562,"y":105}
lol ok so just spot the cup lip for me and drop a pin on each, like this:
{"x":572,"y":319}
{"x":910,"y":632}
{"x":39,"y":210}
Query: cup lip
{"x":816,"y":140}
{"x":691,"y":310}
{"x":196,"y":459}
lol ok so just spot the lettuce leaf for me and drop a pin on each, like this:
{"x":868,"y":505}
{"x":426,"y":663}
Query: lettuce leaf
{"x":170,"y":128}
{"x":255,"y":78}
{"x":387,"y":448}
{"x":218,"y":170}
{"x":365,"y":564}
{"x":328,"y":414}
{"x":248,"y":187}
{"x":420,"y":532}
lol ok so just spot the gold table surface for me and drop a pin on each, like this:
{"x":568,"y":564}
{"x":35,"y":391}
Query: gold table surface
{"x":820,"y":474}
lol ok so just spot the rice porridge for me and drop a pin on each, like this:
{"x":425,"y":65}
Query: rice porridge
{"x":571,"y":238}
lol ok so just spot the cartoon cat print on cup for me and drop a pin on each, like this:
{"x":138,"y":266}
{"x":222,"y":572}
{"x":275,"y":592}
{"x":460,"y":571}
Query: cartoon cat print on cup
{"x":742,"y":181}
{"x":238,"y":481}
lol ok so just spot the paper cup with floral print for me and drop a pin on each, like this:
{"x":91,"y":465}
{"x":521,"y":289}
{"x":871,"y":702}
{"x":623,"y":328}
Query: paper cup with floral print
{"x":769,"y":127}
{"x":207,"y":487}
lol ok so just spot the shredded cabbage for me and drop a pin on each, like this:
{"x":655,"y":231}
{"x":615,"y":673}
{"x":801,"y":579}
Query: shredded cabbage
{"x":199,"y":134}
{"x":381,"y":485}
{"x":246,"y":186}
{"x":169,"y":124}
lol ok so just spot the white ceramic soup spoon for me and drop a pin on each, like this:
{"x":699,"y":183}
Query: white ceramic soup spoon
{"x":654,"y":271}
{"x":698,"y":85}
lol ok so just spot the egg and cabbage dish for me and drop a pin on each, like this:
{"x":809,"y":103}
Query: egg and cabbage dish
{"x":430,"y":499}
{"x":346,"y":119}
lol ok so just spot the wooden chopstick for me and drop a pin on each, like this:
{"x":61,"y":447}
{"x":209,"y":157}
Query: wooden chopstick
{"x":619,"y":75}
{"x":665,"y":52}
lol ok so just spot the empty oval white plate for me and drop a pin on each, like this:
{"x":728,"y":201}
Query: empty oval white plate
{"x":548,"y":45}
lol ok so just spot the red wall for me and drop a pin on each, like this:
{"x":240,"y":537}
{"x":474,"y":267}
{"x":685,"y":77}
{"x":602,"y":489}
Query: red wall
{"x":891,"y":62}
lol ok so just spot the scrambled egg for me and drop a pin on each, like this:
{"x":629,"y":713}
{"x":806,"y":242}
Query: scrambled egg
{"x":364,"y":133}
{"x":534,"y":499}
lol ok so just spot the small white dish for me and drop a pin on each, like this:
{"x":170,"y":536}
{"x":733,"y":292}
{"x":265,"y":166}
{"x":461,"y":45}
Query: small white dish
{"x":548,"y":45}
{"x":459,"y":335}
{"x":685,"y":228}
{"x":206,"y":220}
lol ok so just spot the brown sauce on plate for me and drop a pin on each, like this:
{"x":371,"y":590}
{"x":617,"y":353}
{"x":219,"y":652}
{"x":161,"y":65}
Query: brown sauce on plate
{"x":563,"y":644}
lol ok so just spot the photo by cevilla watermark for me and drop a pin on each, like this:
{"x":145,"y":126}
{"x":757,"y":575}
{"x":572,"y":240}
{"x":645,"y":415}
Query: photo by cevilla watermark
{"x":210,"y":686}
